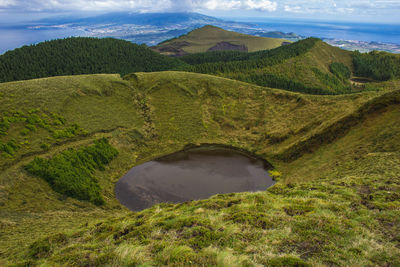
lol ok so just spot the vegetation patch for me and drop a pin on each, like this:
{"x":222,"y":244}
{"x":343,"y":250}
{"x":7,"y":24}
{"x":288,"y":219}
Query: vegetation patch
{"x":340,"y":70}
{"x":380,"y":66}
{"x":285,"y":67}
{"x":9,"y":148}
{"x":17,"y":128}
{"x":287,"y":261}
{"x":235,"y":61}
{"x":44,"y":247}
{"x":80,"y":55}
{"x":332,"y":82}
{"x":71,"y":172}
{"x":279,"y":81}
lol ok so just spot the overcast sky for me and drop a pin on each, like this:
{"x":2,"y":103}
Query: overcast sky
{"x":352,"y":10}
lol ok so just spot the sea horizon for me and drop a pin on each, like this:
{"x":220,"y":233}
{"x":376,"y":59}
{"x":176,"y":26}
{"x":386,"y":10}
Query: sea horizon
{"x":342,"y":30}
{"x":20,"y":35}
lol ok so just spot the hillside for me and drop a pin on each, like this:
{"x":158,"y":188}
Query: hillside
{"x":80,"y":55}
{"x":308,"y":66}
{"x":335,"y":203}
{"x":304,"y":66}
{"x":211,"y":38}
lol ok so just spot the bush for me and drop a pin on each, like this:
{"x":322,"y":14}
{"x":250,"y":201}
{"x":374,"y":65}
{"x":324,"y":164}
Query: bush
{"x":69,"y":132}
{"x":340,"y":70}
{"x":39,"y":249}
{"x":287,"y":261}
{"x":43,"y":248}
{"x":4,"y":126}
{"x":45,"y":146}
{"x":336,"y":85}
{"x":380,"y":66}
{"x":70,"y":173}
{"x":10,"y":147}
{"x":275,"y":175}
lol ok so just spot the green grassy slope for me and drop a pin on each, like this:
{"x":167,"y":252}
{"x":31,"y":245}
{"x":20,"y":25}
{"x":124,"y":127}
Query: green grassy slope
{"x":303,"y":66}
{"x":202,"y":39}
{"x":336,"y":202}
{"x":320,"y":56}
{"x":308,"y":66}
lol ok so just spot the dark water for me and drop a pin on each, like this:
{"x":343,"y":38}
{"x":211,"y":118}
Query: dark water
{"x":191,"y":175}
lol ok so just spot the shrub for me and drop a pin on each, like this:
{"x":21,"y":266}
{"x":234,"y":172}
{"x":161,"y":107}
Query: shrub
{"x":200,"y":237}
{"x":10,"y":147}
{"x":275,"y":175}
{"x":287,"y":261}
{"x":332,"y":81}
{"x":380,"y":66}
{"x":24,"y":131}
{"x":69,"y":132}
{"x":340,"y":70}
{"x":39,"y":249}
{"x":4,"y":126}
{"x":70,"y":173}
{"x":45,"y":146}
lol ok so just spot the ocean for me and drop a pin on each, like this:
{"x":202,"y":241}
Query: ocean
{"x":16,"y":36}
{"x":13,"y":36}
{"x":368,"y":32}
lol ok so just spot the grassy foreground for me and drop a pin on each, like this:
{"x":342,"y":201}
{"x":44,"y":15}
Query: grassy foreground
{"x":336,"y":202}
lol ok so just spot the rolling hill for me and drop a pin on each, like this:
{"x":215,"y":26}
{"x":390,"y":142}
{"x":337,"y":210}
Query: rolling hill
{"x":80,"y":55}
{"x":336,"y":201}
{"x":211,"y":38}
{"x":302,"y":66}
{"x":309,"y":66}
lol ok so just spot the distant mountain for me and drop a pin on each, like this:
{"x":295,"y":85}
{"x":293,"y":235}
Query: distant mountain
{"x":211,"y":38}
{"x":148,"y":28}
{"x":154,"y":19}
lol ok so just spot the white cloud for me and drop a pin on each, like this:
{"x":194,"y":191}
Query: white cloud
{"x":6,"y":3}
{"x":293,"y":9}
{"x":221,"y":5}
{"x":259,"y":5}
{"x":339,"y":7}
{"x":263,"y":5}
{"x":345,"y":10}
{"x":141,"y":5}
{"x":321,"y":8}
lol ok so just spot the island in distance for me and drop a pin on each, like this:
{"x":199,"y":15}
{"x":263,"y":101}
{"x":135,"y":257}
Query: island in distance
{"x":154,"y":28}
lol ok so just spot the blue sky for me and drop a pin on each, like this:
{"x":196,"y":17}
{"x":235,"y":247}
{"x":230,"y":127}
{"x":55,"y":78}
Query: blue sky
{"x":350,"y":10}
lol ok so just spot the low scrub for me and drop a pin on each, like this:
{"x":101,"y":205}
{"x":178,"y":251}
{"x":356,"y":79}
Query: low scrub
{"x":71,"y":172}
{"x":380,"y":66}
{"x":340,"y":70}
